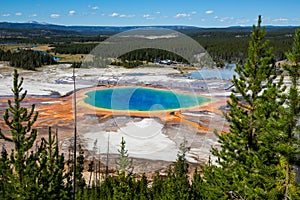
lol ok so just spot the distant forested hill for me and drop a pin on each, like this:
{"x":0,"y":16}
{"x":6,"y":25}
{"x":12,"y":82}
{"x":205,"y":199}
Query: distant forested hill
{"x":107,"y":30}
{"x":223,"y":44}
{"x":87,"y":30}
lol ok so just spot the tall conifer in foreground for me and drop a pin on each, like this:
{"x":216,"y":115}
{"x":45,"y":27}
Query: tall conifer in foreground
{"x":20,"y":121}
{"x":29,"y":174}
{"x":290,"y":149}
{"x":247,"y":161}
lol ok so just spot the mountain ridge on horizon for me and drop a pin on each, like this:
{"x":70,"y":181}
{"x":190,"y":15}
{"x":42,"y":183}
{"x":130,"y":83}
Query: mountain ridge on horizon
{"x":36,"y":24}
{"x":34,"y":28}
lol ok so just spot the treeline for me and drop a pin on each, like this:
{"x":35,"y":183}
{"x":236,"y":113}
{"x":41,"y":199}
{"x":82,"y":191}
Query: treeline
{"x":53,"y":40}
{"x":5,"y":55}
{"x":140,"y":56}
{"x":73,"y":48}
{"x":26,"y":59}
{"x":149,"y":55}
{"x":234,"y":47}
{"x":176,"y":184}
{"x":128,"y":64}
{"x":34,"y":33}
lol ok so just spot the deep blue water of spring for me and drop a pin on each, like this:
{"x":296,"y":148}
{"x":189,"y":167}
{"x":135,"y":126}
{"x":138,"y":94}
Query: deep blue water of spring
{"x":142,"y":99}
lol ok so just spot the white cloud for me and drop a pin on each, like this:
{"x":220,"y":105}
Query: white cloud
{"x":33,"y":15}
{"x":180,"y":15}
{"x":114,"y":15}
{"x":93,"y":7}
{"x":71,"y":12}
{"x":216,"y":17}
{"x":147,"y":16}
{"x":157,"y":12}
{"x":6,"y":15}
{"x":209,"y":12}
{"x":281,"y":20}
{"x":55,"y":15}
{"x":18,"y":14}
{"x":223,"y":19}
{"x":193,"y":12}
{"x":128,"y":16}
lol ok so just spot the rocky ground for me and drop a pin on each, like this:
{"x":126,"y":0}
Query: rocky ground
{"x":152,"y":141}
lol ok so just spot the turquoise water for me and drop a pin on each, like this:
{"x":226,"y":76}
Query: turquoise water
{"x":141,"y":99}
{"x":226,"y":73}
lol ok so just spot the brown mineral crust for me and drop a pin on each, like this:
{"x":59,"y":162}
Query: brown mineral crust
{"x":58,"y":112}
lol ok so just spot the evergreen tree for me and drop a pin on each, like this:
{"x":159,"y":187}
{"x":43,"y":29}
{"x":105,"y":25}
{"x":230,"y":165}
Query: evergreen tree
{"x":124,"y":163}
{"x":125,"y":183}
{"x":124,"y":188}
{"x":107,"y":188}
{"x":22,"y":134}
{"x":6,"y":176}
{"x":51,"y":174}
{"x":248,"y":158}
{"x":181,"y":164}
{"x":169,"y":186}
{"x":181,"y":168}
{"x":156,"y":189}
{"x":80,"y":181}
{"x":176,"y":184}
{"x":282,"y":131}
{"x":197,"y":188}
{"x":30,"y":60}
{"x":290,"y":148}
{"x":141,"y":190}
{"x":29,"y":174}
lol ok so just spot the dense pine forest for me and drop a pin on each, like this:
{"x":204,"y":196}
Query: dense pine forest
{"x":26,"y":59}
{"x":77,"y":48}
{"x":257,"y":160}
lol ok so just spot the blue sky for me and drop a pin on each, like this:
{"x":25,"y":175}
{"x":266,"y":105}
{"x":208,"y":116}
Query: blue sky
{"x":201,"y":13}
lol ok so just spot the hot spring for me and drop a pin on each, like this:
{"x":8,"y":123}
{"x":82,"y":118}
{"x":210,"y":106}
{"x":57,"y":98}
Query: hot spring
{"x":142,"y":99}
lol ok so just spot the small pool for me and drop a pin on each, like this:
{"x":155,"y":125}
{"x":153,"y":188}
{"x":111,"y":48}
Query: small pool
{"x":142,"y":99}
{"x":226,"y":73}
{"x":56,"y":58}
